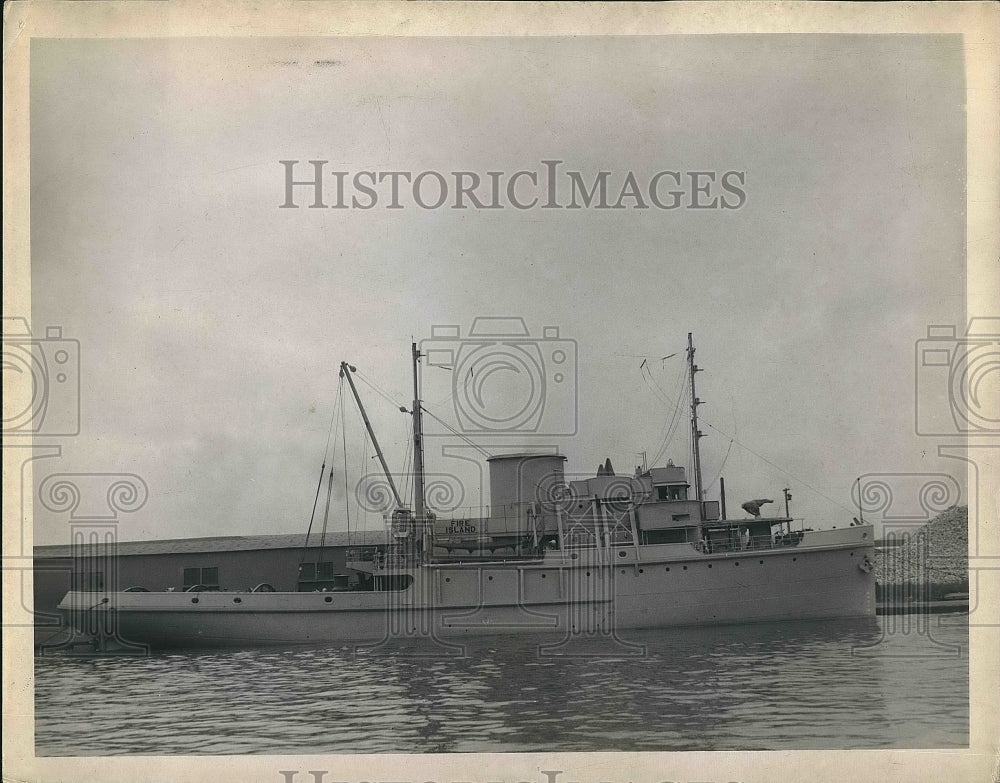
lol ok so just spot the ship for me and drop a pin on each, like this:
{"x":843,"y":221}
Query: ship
{"x":578,"y":557}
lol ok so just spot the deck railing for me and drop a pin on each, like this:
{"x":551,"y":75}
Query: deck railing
{"x":779,"y":541}
{"x":579,"y":535}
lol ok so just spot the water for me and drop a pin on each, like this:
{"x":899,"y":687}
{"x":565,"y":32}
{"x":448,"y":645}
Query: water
{"x":762,"y":687}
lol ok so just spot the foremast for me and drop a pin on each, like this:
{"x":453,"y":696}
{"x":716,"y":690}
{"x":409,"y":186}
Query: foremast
{"x":422,"y":520}
{"x":696,"y":435}
{"x":418,"y":442}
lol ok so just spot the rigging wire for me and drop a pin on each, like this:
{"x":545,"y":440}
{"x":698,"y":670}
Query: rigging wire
{"x":675,"y":418}
{"x":446,"y":399}
{"x":312,"y":517}
{"x":670,"y":435}
{"x":648,"y":376}
{"x":779,"y":468}
{"x":329,"y":493}
{"x":326,"y":518}
{"x":722,"y":467}
{"x":364,"y":461}
{"x":347,"y":492}
{"x":322,"y":470}
{"x":455,"y":432}
{"x":396,"y":404}
{"x":407,"y":461}
{"x":333,"y":417}
{"x":377,"y":389}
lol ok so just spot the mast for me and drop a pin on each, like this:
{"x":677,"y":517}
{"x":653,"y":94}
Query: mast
{"x":696,"y":434}
{"x":346,"y":370}
{"x":418,"y":442}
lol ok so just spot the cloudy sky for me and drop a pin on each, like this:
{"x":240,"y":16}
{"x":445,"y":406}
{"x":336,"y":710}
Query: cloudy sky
{"x":212,"y":322}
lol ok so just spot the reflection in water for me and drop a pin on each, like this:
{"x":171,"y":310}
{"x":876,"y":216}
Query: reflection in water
{"x":769,"y":686}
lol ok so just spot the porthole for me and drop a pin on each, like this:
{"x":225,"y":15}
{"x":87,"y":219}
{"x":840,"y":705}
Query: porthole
{"x":737,"y":562}
{"x":761,"y":562}
{"x":852,"y":554}
{"x":685,"y":568}
{"x":709,"y":565}
{"x":668,"y":568}
{"x":447,"y":579}
{"x":588,"y":573}
{"x":794,"y":559}
{"x":490,"y":578}
{"x":641,"y":571}
{"x":621,"y":554}
{"x":237,"y":600}
{"x":622,"y":571}
{"x":573,"y":556}
{"x":194,"y":600}
{"x":543,"y":576}
{"x":328,"y":599}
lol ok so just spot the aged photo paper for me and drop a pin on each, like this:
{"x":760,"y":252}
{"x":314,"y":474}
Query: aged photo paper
{"x":209,"y":206}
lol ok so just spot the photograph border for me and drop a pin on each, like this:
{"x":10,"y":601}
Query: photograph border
{"x":976,"y":22}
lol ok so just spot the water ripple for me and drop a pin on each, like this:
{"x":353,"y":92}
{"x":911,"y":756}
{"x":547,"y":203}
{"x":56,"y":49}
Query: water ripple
{"x":767,"y":687}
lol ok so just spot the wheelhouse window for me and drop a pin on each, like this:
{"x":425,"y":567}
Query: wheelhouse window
{"x":671,"y":493}
{"x":671,"y":536}
{"x":206,"y":577}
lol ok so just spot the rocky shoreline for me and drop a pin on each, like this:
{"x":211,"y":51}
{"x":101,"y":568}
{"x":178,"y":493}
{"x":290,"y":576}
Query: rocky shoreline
{"x":927,"y":564}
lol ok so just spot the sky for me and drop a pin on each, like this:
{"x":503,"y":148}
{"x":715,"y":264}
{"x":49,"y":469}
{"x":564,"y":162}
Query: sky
{"x":212,"y":322}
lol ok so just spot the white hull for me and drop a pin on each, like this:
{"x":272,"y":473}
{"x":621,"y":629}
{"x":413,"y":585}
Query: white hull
{"x":579,"y":592}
